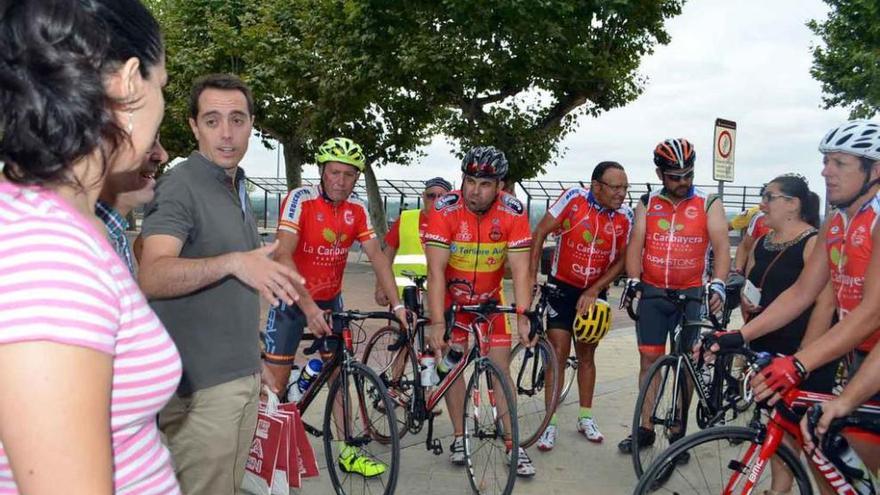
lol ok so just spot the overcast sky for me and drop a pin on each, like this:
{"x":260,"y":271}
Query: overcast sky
{"x":746,"y":61}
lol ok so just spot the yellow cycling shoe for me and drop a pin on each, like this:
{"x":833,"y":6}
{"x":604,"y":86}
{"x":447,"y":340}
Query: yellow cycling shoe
{"x":352,"y":461}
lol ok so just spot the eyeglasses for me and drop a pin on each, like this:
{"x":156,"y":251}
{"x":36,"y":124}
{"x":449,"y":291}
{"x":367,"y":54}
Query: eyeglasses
{"x":769,"y":196}
{"x":679,"y":177}
{"x":620,"y":188}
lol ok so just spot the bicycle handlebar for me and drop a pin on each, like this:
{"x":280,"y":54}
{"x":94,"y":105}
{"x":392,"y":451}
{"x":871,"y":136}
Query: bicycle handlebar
{"x":491,"y":307}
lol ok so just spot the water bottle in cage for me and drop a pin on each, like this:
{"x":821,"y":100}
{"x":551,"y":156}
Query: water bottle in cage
{"x":428,"y":370}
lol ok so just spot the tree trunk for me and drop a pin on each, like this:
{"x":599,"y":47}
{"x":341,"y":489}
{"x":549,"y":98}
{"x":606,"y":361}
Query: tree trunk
{"x":294,"y":156}
{"x":377,"y":210}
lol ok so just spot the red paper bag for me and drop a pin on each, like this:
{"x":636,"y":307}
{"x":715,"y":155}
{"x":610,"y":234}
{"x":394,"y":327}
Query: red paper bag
{"x":263,"y":455}
{"x":286,"y":469}
{"x":306,"y":460}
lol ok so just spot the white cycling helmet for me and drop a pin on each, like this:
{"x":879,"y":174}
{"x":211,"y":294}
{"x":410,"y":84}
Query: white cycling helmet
{"x":856,"y":137}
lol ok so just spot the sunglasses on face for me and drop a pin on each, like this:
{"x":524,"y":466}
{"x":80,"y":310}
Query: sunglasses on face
{"x":679,"y":177}
{"x":769,"y":196}
{"x":620,"y":188}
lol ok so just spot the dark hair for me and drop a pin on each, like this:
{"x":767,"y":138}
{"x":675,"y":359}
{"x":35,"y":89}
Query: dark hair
{"x":797,"y":187}
{"x":600,"y":169}
{"x":218,"y":81}
{"x":54,"y":56}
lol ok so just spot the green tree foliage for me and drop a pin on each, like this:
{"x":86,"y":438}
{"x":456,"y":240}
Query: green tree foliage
{"x":512,"y":73}
{"x":518,"y":73}
{"x":848,"y":65}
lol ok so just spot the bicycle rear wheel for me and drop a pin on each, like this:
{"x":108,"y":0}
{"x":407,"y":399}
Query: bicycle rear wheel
{"x":569,"y":370}
{"x":489,"y":428}
{"x":535,"y":373}
{"x":394,"y":361}
{"x":663,"y":401}
{"x":719,"y":460}
{"x":363,"y":410}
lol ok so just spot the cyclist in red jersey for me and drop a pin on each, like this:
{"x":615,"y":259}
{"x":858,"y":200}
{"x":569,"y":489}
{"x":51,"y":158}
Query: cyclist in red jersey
{"x":756,"y":229}
{"x":592,"y":227}
{"x":317,"y":227}
{"x":470,"y":235}
{"x":669,"y":251}
{"x":851,"y":158}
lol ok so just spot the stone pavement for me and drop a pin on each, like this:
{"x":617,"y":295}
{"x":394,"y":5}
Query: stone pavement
{"x":574,"y":466}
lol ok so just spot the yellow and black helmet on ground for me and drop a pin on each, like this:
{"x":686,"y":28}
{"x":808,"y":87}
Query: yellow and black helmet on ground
{"x":591,"y":327}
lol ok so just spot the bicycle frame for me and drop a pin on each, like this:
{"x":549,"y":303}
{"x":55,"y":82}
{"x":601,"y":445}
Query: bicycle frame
{"x":784,"y":419}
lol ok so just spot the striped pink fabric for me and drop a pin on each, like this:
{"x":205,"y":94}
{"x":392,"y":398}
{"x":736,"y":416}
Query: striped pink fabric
{"x":60,"y":281}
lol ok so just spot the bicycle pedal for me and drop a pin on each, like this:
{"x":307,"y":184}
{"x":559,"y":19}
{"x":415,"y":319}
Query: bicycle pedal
{"x":436,"y":447}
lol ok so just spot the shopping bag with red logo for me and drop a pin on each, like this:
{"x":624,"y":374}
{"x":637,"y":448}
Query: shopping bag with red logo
{"x":305,"y":455}
{"x":263,"y":455}
{"x":283,"y":477}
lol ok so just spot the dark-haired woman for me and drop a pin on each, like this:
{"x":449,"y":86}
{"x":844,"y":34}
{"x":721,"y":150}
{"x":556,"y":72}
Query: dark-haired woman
{"x":85,"y":365}
{"x":791,"y":210}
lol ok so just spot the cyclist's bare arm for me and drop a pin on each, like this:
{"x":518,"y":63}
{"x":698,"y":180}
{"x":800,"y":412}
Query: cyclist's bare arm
{"x":794,"y":300}
{"x":743,"y":252}
{"x":823,"y":310}
{"x":636,"y":244}
{"x":163,"y":273}
{"x":382,"y":269}
{"x":547,"y":224}
{"x":381,"y":298}
{"x":522,"y":289}
{"x":858,"y":325}
{"x":717,"y":224}
{"x":438,"y":258}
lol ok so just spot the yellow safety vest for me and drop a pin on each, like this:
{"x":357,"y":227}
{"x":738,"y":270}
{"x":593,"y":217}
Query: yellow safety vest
{"x":411,"y":254}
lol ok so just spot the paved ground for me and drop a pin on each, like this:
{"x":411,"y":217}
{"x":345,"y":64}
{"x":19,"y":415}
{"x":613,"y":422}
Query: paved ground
{"x":575,"y":466}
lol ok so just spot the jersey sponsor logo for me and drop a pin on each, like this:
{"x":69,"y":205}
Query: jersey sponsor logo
{"x":495,"y":233}
{"x":447,"y":200}
{"x":512,"y":204}
{"x":845,"y":280}
{"x":672,"y":263}
{"x":858,"y":237}
{"x":835,"y":230}
{"x":585,"y":271}
{"x":348,"y":217}
{"x":520,"y":243}
{"x":464,"y":233}
{"x":434,"y":237}
{"x":295,"y":199}
{"x":691,"y":212}
{"x":677,"y":239}
{"x":320,"y":217}
{"x":658,"y":206}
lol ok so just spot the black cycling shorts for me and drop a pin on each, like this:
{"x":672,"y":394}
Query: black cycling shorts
{"x":284,"y":330}
{"x":658,"y":317}
{"x":562,"y":304}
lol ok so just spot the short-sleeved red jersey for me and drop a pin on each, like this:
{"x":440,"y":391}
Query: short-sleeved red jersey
{"x":326,"y":232}
{"x":590,"y":237}
{"x":477,"y":244}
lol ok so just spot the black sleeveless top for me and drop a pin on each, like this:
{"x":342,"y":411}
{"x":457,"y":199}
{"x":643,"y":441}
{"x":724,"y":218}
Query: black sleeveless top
{"x":782,"y":275}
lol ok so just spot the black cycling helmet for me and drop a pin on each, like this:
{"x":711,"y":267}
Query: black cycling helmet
{"x":485,"y":162}
{"x":674,"y":154}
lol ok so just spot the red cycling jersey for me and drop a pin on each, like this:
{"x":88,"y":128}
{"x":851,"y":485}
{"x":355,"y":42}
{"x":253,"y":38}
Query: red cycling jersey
{"x":758,"y":226}
{"x":477,"y":244}
{"x":676,"y":250}
{"x":326,"y":232}
{"x":590,"y":237}
{"x":849,"y":245}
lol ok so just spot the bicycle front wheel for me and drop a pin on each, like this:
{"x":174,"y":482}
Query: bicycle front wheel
{"x":358,"y":412}
{"x":490,"y":426}
{"x":660,"y":416}
{"x":394,"y":361}
{"x":535,"y":374}
{"x":721,"y":460}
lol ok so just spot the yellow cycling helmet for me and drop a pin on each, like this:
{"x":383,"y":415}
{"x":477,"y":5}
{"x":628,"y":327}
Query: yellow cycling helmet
{"x":591,"y":327}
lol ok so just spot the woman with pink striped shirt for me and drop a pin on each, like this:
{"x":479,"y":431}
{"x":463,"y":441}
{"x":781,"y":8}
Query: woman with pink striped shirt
{"x":85,"y":364}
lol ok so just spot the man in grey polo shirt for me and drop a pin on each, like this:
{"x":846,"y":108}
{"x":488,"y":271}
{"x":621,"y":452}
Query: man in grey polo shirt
{"x":203,"y":269}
